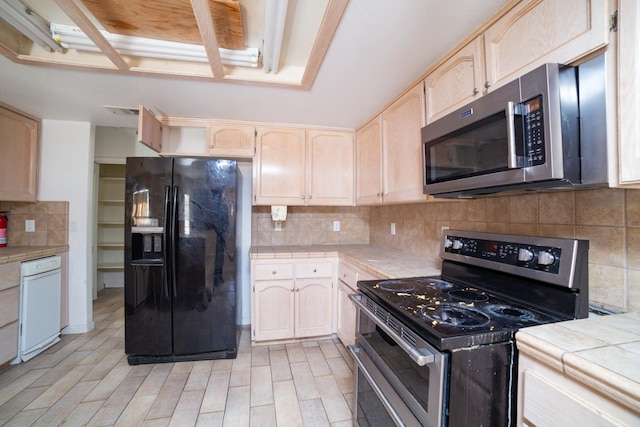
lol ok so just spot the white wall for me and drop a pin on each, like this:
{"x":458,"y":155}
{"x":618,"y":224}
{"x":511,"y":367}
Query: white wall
{"x":66,"y":173}
{"x":114,"y":145}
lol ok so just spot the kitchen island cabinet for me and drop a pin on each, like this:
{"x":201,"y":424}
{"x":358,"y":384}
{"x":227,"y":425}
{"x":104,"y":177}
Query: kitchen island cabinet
{"x":292,"y":298}
{"x":580,"y":372}
{"x":19,"y":145}
{"x":9,"y":310}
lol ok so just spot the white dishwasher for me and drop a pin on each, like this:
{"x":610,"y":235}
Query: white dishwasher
{"x":40,"y":287}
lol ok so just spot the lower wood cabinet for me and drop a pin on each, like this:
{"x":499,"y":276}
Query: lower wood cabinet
{"x":348,"y":277}
{"x":292,"y":298}
{"x":9,"y":310}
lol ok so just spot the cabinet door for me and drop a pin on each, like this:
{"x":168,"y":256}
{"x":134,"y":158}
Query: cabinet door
{"x":539,"y":31}
{"x":313,"y":307}
{"x":330,"y":168}
{"x":230,"y":140}
{"x":402,"y":122}
{"x":346,"y":316}
{"x":19,"y":140}
{"x":279,"y":167}
{"x":456,"y":82}
{"x":369,"y":163}
{"x":272,"y":312}
{"x":629,"y":91}
{"x":149,"y":129}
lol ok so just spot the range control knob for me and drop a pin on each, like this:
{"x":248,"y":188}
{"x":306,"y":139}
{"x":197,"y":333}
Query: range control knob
{"x":457,"y":244}
{"x":447,"y":243}
{"x":546,"y":258}
{"x":524,"y":255}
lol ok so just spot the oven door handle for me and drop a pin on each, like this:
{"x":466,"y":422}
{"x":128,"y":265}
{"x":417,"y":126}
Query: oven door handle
{"x":360,"y":357}
{"x":421,"y":356}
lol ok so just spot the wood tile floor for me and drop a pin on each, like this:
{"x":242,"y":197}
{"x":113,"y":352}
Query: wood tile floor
{"x":85,"y":380}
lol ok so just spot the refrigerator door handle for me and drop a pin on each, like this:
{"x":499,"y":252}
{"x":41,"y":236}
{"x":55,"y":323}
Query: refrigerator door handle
{"x":165,"y":240}
{"x":174,"y":239}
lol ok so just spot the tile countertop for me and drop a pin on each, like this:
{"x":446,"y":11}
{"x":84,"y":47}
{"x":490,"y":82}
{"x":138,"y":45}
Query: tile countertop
{"x":376,"y":260}
{"x":26,"y":253}
{"x":602,"y":352}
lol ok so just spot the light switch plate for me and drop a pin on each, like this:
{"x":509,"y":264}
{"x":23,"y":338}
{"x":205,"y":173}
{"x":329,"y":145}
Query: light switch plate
{"x":336,"y":225}
{"x":30,"y":225}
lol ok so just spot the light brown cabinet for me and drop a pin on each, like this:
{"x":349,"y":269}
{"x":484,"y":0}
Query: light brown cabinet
{"x":538,"y":31}
{"x":458,"y":81}
{"x":628,"y":90}
{"x":19,"y":145}
{"x":292,"y":299}
{"x":389,"y":153}
{"x":9,"y":310}
{"x":149,"y":129}
{"x":369,"y":163}
{"x":348,"y":277}
{"x":231,"y":140}
{"x":303,"y":167}
{"x":402,"y":174}
{"x":530,"y":34}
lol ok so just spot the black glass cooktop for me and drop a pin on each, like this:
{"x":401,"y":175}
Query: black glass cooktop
{"x":451,"y":315}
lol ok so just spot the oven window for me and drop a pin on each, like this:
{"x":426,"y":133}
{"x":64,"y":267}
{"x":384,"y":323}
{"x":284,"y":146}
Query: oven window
{"x":477,"y":149}
{"x":371,"y":411}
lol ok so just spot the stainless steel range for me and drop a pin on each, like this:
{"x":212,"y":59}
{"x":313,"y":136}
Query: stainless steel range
{"x":440,"y":351}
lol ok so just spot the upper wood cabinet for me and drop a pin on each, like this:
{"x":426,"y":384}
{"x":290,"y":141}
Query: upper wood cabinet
{"x":628,"y":90}
{"x":539,"y":31}
{"x":458,"y":81}
{"x":402,"y":160}
{"x":369,"y":163}
{"x":231,"y":140}
{"x":300,"y":167}
{"x":184,"y":136}
{"x":19,"y":145}
{"x":149,"y":129}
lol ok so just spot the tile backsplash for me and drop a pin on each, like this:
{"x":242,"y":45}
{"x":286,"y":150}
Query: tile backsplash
{"x":608,"y":218}
{"x":311,"y":226}
{"x":51,"y":221}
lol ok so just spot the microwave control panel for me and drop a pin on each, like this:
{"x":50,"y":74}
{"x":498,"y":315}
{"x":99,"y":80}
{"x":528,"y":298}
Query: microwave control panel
{"x":534,"y":132}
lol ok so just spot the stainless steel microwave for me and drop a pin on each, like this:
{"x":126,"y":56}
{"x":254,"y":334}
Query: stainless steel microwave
{"x":545,"y":129}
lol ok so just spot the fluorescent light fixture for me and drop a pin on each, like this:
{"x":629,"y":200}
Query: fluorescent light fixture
{"x":71,"y":37}
{"x":275,"y":18}
{"x":28,"y":23}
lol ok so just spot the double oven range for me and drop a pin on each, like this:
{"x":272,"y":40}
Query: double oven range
{"x":440,"y":351}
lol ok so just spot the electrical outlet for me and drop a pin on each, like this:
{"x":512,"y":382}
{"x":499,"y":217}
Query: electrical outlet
{"x":393,"y":228}
{"x":278,"y":226}
{"x":336,"y":225}
{"x":30,"y":225}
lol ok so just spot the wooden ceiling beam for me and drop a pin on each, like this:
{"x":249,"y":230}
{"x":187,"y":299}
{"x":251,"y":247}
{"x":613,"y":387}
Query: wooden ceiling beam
{"x":81,"y":20}
{"x":207,"y":31}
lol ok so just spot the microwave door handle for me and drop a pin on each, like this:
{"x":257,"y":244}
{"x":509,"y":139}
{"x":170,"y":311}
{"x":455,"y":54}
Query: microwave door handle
{"x":512,"y":161}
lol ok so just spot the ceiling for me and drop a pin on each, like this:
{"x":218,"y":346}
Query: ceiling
{"x":379,"y":47}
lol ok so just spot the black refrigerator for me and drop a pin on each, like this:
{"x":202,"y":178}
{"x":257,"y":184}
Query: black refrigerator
{"x":180,"y":259}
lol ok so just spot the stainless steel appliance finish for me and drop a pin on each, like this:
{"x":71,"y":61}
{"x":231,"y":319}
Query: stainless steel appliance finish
{"x":440,"y":351}
{"x":546,"y":129}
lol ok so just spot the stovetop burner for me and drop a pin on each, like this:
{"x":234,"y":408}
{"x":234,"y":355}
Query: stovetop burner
{"x":451,"y":314}
{"x":454,"y":315}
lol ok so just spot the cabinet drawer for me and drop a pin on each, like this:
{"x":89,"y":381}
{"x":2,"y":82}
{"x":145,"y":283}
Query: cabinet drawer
{"x":9,"y":338}
{"x":314,"y":269}
{"x":9,"y":275}
{"x":348,"y":274}
{"x":273,"y":271}
{"x":9,"y":305}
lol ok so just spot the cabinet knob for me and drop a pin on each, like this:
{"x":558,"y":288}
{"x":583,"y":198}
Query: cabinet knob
{"x":476,"y":91}
{"x":303,"y":197}
{"x":273,"y":272}
{"x":292,"y":289}
{"x":211,"y":146}
{"x":297,"y":290}
{"x":487,"y":85}
{"x":309,"y":196}
{"x":315,"y":270}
